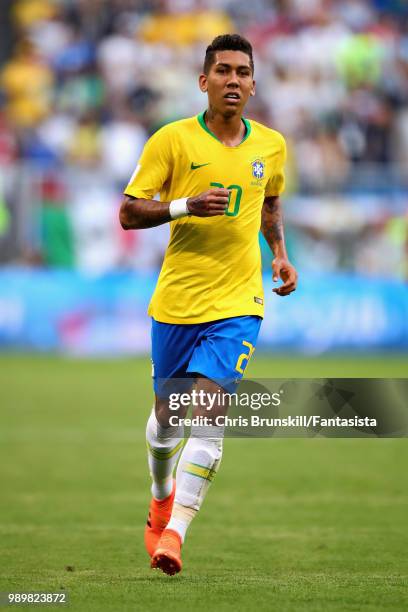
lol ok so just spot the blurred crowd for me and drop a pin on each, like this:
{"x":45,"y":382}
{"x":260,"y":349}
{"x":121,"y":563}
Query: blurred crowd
{"x":88,"y":80}
{"x":85,"y":82}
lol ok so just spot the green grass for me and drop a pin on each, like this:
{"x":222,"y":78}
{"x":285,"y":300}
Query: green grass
{"x":289,"y":524}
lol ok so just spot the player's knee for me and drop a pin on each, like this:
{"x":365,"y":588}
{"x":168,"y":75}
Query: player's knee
{"x":162,"y":412}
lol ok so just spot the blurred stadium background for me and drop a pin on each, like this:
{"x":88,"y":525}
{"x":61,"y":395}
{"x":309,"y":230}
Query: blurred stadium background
{"x":82,"y":86}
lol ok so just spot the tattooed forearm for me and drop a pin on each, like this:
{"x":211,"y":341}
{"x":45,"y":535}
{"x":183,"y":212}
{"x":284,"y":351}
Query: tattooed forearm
{"x":141,"y":214}
{"x":272,"y":225}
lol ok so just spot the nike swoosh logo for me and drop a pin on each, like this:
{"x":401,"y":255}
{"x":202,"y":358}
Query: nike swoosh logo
{"x":195,"y":166}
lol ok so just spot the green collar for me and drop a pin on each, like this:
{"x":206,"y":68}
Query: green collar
{"x":203,"y":124}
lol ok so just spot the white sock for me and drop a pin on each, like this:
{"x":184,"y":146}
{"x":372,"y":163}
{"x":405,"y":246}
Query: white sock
{"x":164,"y":445}
{"x":197,"y":467}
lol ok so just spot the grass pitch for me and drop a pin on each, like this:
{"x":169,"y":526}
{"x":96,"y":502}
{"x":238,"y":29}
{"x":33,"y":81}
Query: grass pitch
{"x":295,"y":524}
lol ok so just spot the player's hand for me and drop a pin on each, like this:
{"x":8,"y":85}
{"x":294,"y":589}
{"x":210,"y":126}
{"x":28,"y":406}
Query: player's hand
{"x":209,"y":203}
{"x":283,"y":269}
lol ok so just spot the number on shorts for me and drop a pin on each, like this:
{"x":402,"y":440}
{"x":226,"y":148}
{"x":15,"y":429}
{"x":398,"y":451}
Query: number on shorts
{"x":244,"y":357}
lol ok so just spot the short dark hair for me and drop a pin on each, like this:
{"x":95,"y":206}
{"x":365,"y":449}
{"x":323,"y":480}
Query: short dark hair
{"x":227,"y":42}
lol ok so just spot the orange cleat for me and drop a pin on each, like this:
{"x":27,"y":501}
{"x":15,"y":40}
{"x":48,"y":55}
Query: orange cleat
{"x":167,"y":555}
{"x":159,"y":516}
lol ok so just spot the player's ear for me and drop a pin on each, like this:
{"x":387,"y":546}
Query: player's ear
{"x":252,"y":92}
{"x":202,"y":81}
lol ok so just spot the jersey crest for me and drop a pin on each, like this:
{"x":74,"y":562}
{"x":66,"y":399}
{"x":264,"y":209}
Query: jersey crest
{"x":258,"y":169}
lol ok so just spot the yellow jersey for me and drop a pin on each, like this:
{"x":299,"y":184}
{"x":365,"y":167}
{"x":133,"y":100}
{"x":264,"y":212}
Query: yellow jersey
{"x":212,"y":266}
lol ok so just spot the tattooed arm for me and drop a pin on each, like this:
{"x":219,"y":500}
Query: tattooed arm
{"x":272,"y":229}
{"x":137,"y":213}
{"x":140,"y":214}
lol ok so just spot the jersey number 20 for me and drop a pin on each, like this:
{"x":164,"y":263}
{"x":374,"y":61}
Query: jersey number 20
{"x":234,"y":199}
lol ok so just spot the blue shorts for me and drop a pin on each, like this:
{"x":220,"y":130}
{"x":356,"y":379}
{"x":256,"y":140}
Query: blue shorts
{"x":219,"y":350}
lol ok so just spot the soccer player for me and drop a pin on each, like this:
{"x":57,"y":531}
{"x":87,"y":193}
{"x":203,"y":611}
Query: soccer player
{"x":219,"y":176}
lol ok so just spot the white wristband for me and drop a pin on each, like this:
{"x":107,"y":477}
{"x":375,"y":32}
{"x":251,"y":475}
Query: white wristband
{"x":178,"y":208}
